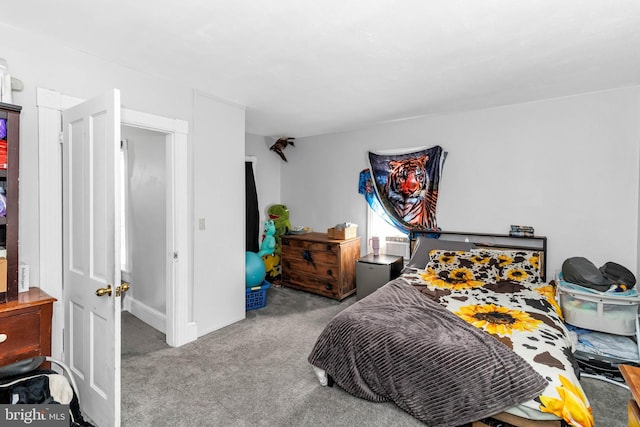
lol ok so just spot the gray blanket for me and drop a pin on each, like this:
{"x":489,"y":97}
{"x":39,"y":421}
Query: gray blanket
{"x":398,"y":345}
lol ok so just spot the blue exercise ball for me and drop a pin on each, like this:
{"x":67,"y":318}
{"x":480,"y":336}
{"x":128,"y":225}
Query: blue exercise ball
{"x":255,"y":270}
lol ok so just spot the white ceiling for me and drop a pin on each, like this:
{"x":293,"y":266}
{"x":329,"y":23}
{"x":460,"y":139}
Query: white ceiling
{"x":307,"y":67}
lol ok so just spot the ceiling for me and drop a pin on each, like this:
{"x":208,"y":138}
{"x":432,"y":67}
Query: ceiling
{"x":308,"y":67}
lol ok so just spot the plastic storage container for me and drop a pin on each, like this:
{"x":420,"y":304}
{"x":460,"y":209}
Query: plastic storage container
{"x":598,"y":311}
{"x":257,"y":296}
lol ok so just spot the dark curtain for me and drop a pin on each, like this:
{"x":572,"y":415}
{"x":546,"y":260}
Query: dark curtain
{"x":252,"y":215}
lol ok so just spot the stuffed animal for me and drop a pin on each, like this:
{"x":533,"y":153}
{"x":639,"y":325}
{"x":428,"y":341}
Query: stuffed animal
{"x":272,"y":264}
{"x":268,"y":245}
{"x":280,"y":216}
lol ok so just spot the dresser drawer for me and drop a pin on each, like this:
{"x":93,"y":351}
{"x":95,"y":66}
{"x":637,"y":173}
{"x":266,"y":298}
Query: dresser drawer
{"x":20,"y":336}
{"x":322,"y":286}
{"x":309,"y":245}
{"x":320,"y":264}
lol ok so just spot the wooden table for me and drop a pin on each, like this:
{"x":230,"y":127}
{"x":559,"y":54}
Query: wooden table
{"x":25,"y":326}
{"x":631,"y":376}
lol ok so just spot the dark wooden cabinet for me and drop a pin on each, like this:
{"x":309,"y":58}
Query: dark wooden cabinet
{"x":25,"y":326}
{"x":9,"y":177}
{"x":314,"y":263}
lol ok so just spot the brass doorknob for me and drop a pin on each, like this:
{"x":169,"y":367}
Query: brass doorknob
{"x":104,"y":291}
{"x":124,"y":287}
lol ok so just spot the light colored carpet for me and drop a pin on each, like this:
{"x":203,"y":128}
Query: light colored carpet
{"x":255,"y":373}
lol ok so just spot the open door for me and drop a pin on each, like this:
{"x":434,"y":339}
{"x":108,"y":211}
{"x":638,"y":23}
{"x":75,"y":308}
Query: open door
{"x":91,"y":254}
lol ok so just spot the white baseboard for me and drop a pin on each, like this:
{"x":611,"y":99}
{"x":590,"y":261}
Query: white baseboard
{"x":192,"y":332}
{"x":148,"y":315}
{"x":219,"y":326}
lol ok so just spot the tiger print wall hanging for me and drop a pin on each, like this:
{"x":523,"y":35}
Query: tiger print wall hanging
{"x":407,"y":185}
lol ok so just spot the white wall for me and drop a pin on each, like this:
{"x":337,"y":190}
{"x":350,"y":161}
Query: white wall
{"x":219,"y":206}
{"x":146,"y":222}
{"x":568,"y":167}
{"x":41,"y":62}
{"x":267,"y":171}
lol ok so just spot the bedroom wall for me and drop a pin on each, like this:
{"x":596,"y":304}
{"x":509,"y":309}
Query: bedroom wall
{"x":219,"y":209}
{"x":566,"y":166}
{"x":42,"y":62}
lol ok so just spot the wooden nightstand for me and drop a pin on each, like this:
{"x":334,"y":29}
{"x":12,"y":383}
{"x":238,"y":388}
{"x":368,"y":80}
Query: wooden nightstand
{"x":631,"y":376}
{"x":25,"y":326}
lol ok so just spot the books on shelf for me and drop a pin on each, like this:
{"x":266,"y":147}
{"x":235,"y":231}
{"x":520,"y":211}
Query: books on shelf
{"x":521,"y":231}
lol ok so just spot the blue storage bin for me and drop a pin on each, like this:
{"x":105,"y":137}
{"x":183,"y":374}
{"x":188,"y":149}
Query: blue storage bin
{"x":257,"y":296}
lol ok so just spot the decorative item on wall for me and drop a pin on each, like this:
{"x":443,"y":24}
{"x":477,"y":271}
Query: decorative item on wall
{"x":404,"y":185}
{"x":281,"y":144}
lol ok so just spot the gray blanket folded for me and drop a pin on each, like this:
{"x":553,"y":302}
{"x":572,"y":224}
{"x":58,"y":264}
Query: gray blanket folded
{"x":398,"y":345}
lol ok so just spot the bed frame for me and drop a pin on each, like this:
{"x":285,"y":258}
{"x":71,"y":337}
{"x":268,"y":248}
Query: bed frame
{"x":519,"y":421}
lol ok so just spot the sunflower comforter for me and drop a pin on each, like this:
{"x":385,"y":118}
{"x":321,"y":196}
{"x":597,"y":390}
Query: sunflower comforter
{"x":473,"y":334}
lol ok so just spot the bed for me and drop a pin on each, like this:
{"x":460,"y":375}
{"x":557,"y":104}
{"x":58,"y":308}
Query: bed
{"x":470,"y":333}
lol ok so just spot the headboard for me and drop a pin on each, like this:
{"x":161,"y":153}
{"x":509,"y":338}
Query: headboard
{"x":462,"y":240}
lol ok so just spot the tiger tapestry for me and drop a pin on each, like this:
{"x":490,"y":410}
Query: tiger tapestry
{"x":407,"y":185}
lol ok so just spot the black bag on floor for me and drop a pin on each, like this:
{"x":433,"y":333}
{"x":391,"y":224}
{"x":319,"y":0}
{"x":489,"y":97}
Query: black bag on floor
{"x":603,"y":366}
{"x":23,"y":383}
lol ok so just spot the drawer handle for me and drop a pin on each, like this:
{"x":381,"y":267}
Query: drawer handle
{"x":306,"y":255}
{"x":329,"y":286}
{"x":330,"y":272}
{"x":3,"y":337}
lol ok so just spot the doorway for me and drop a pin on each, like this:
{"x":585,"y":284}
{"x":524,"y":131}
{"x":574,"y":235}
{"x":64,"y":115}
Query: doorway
{"x":51,"y":105}
{"x":144,"y":226}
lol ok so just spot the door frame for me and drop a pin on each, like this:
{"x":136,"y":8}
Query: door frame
{"x":180,"y":329}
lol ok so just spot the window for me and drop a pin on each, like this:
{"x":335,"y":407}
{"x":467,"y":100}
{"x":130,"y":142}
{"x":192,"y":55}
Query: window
{"x":392,"y":240}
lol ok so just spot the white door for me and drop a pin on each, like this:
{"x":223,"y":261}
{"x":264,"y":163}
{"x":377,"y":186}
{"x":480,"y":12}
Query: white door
{"x":91,"y":254}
